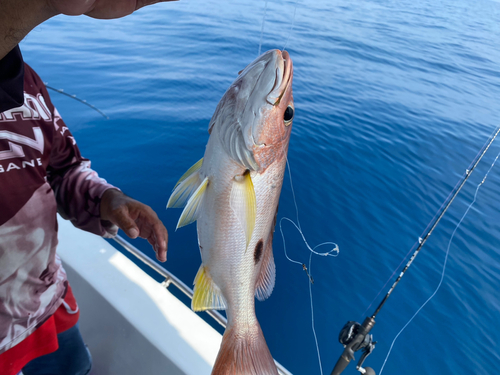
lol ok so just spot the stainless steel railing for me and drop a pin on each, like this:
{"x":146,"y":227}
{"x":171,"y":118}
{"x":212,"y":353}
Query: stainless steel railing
{"x":172,"y":279}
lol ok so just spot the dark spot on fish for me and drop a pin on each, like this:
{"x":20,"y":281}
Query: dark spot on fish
{"x":258,"y":251}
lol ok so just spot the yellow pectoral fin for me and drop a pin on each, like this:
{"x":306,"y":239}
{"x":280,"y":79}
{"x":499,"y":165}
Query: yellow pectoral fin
{"x":192,"y":208}
{"x":195,"y":168}
{"x":207,"y":295}
{"x":244,"y":204}
{"x":185,"y":187}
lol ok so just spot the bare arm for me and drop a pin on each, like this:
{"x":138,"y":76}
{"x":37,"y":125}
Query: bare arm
{"x":19,"y":17}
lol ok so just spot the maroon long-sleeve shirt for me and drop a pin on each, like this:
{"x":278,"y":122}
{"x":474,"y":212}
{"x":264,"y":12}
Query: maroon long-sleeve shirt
{"x":41,"y":173}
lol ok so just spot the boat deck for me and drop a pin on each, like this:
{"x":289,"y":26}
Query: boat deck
{"x":132,"y":323}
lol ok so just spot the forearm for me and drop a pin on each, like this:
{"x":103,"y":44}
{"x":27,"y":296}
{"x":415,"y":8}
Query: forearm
{"x":78,"y":194}
{"x":18,"y":18}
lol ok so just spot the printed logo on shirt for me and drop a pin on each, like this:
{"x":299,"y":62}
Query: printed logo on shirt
{"x":34,"y":108}
{"x":16,"y":151}
{"x":21,"y":165}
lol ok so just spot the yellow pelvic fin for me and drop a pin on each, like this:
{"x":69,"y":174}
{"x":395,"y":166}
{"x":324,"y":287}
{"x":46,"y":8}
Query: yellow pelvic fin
{"x":185,"y":187}
{"x":244,"y":204}
{"x":190,"y":212}
{"x":207,"y":295}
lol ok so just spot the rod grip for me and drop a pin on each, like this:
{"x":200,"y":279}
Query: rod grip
{"x":343,"y":361}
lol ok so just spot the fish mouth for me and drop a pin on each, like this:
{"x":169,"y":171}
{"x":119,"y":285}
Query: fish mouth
{"x":260,"y":87}
{"x":279,"y":65}
{"x":284,"y":72}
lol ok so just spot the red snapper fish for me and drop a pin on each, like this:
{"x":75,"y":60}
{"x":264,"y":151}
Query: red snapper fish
{"x":233,"y":194}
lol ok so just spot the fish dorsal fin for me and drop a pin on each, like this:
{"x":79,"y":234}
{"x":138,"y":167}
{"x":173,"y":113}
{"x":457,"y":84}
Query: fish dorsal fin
{"x":265,"y":282}
{"x":190,"y":212}
{"x":189,"y":182}
{"x":207,"y":295}
{"x":243,"y":203}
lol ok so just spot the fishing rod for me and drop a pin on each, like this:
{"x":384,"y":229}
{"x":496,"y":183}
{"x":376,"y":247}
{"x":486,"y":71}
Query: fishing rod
{"x":61,"y":91}
{"x":355,"y":336}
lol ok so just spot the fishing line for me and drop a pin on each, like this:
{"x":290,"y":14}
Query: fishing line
{"x":355,"y":336}
{"x":335,"y":250}
{"x":446,"y":202}
{"x":61,"y":91}
{"x":312,"y":314}
{"x":262,"y":27}
{"x":333,"y":253}
{"x":264,"y":22}
{"x":291,"y":27}
{"x":444,"y":264}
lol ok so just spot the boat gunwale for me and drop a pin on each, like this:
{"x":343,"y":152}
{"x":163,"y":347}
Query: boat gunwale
{"x":170,"y":278}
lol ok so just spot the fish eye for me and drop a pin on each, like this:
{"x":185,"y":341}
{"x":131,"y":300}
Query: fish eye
{"x":288,"y":117}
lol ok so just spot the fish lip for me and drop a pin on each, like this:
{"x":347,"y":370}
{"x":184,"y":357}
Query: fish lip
{"x":288,"y":69}
{"x":283,"y":66}
{"x":283,"y":79}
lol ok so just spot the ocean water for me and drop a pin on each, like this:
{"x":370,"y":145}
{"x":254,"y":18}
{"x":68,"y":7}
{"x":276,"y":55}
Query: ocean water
{"x":393,"y":101}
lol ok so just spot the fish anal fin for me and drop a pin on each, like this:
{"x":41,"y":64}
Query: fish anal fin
{"x":207,"y":295}
{"x":244,"y":352}
{"x":267,"y":276}
{"x":190,"y":212}
{"x":185,"y":187}
{"x":243,"y":203}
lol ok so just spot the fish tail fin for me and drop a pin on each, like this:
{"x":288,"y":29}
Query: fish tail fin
{"x":244,"y":353}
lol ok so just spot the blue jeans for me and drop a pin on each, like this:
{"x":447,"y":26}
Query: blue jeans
{"x":72,"y":357}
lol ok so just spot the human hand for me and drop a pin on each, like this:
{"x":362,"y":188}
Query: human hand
{"x":103,"y":9}
{"x":135,"y":219}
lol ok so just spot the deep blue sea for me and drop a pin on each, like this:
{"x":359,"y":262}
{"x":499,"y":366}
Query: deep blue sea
{"x":393,"y":100}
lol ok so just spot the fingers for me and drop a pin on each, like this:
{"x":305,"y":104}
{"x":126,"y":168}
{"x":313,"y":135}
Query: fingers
{"x":136,"y":220}
{"x":152,"y":229}
{"x":160,"y":240}
{"x":124,"y":221}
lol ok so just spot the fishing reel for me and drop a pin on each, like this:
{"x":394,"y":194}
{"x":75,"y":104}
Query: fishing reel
{"x":354,"y":337}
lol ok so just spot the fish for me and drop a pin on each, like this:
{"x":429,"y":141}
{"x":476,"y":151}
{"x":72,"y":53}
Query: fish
{"x":232,"y":193}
